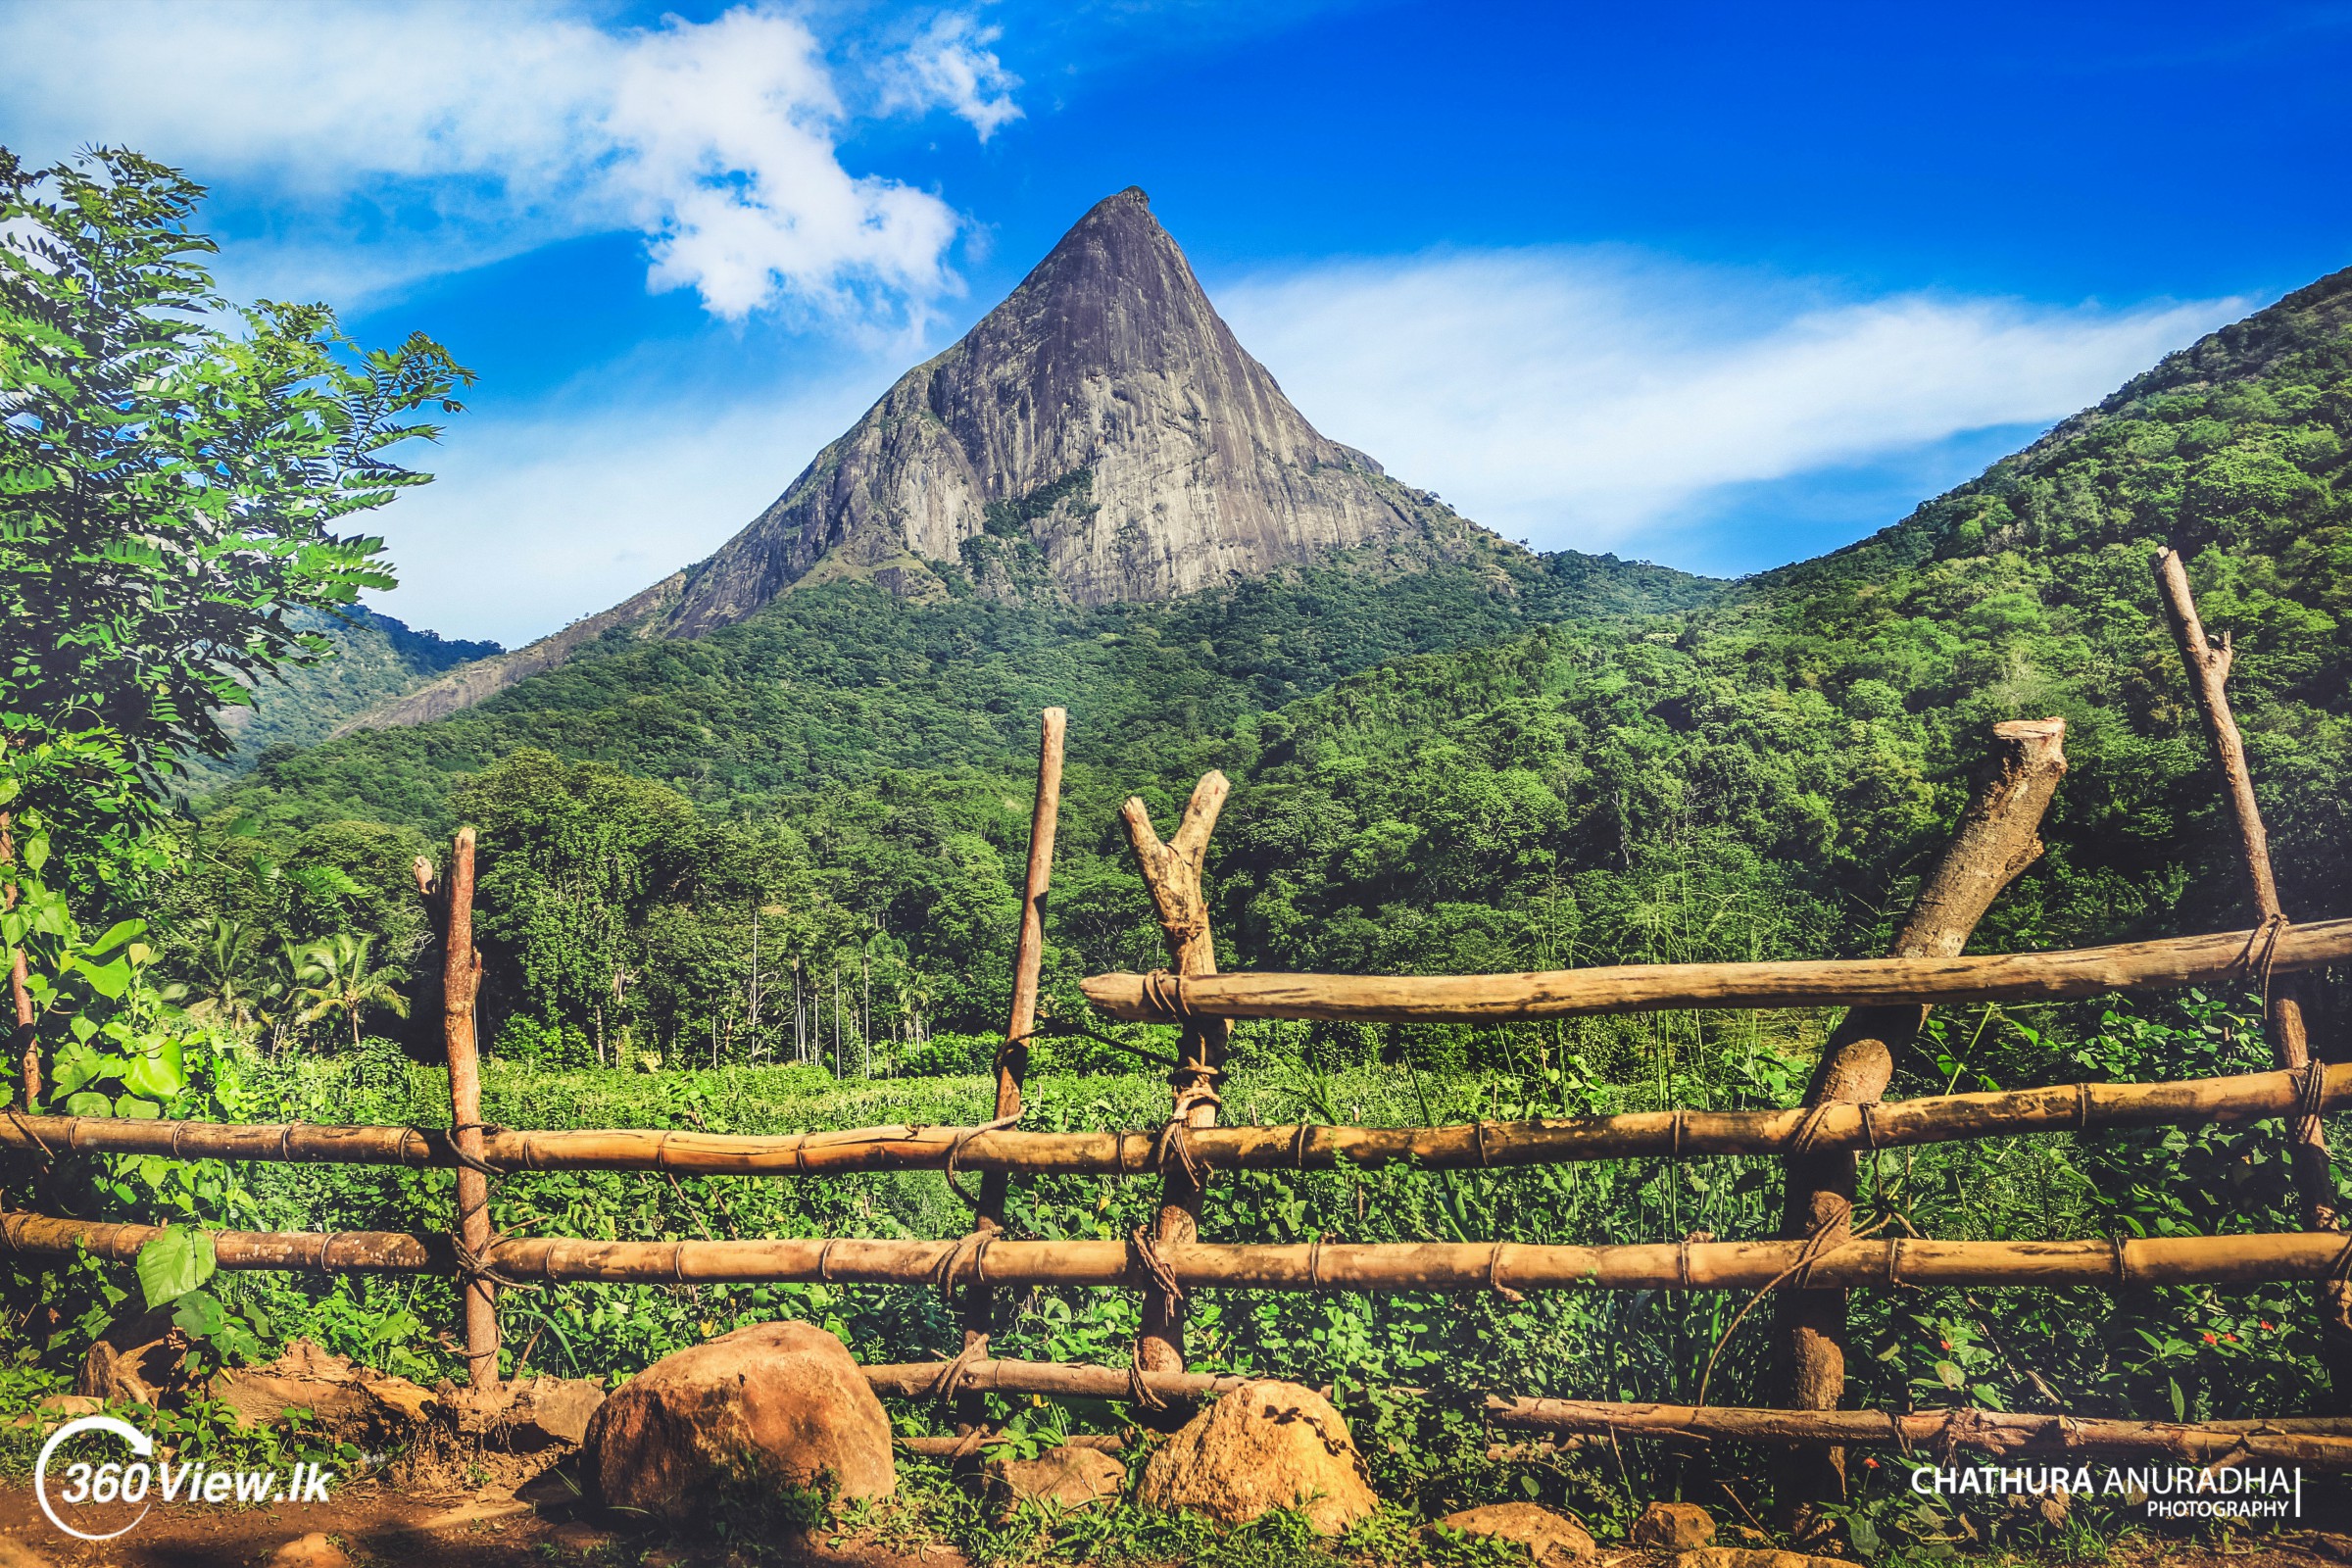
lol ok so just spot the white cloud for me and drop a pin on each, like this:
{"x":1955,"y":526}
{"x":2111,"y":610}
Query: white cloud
{"x":1594,"y":397}
{"x":951,"y":67}
{"x":427,"y":137}
{"x":534,"y":521}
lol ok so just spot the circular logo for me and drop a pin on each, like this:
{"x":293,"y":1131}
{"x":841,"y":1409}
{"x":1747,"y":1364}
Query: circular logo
{"x":140,"y":1444}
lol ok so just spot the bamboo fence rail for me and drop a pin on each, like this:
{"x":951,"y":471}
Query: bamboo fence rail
{"x":2324,"y":1442}
{"x":1315,"y":1266}
{"x":2171,"y":962}
{"x":1496,"y":1145}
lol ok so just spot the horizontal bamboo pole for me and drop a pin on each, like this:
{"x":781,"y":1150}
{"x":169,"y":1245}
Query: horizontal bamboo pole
{"x":1993,"y":1432}
{"x":2294,"y":1439}
{"x":1318,"y":1266}
{"x":973,"y":1443}
{"x":1643,"y":988}
{"x":1942,"y":1119}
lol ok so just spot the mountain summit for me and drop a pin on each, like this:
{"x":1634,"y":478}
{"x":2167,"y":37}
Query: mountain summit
{"x":1101,"y":433}
{"x":1099,"y":436}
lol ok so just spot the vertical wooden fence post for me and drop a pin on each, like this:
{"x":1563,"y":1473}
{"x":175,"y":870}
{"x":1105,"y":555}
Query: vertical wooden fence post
{"x":2290,"y":1041}
{"x":460,"y":984}
{"x":23,"y":1043}
{"x":1012,"y":1061}
{"x":1998,"y":838}
{"x":1172,"y":872}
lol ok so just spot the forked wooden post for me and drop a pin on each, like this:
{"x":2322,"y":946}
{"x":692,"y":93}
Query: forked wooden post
{"x":23,"y":1042}
{"x":2290,"y":1041}
{"x":1172,"y":872}
{"x":1999,"y":836}
{"x":1012,"y":1061}
{"x":460,"y":985}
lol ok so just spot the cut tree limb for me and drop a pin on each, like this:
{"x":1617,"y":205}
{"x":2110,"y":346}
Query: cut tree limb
{"x":1171,"y":872}
{"x":1013,"y":1060}
{"x":23,"y":1040}
{"x":2208,"y":671}
{"x":2218,"y":957}
{"x":1998,"y":837}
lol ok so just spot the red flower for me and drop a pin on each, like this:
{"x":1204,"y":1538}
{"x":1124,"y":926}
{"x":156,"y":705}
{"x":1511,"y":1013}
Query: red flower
{"x":1946,"y":1344}
{"x":2265,"y":1327}
{"x":2209,"y":1339}
{"x":2231,"y":1337}
{"x":1873,"y":1463}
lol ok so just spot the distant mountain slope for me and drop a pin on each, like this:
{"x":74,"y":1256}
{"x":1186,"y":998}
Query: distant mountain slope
{"x":835,"y":685}
{"x":1100,"y":437}
{"x":376,"y":659}
{"x":1802,"y":743}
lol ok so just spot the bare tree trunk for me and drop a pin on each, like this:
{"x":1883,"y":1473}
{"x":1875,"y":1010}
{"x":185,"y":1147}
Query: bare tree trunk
{"x":1012,"y":1061}
{"x":1998,"y":838}
{"x":2208,"y":669}
{"x":460,"y":984}
{"x":1171,"y":872}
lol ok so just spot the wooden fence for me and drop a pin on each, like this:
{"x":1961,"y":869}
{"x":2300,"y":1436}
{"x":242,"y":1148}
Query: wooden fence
{"x":1809,"y":1264}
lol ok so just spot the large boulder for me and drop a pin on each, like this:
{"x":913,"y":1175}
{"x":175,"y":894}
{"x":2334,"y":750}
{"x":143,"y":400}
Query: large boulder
{"x":355,"y":1402}
{"x":1264,"y":1446}
{"x":774,"y":1404}
{"x":1552,"y":1538}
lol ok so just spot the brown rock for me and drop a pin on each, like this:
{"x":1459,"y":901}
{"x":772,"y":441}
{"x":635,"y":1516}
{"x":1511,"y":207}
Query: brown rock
{"x":1067,"y":1477}
{"x":550,"y":1412}
{"x":1674,"y":1527}
{"x":1262,"y":1446}
{"x":1753,"y":1557}
{"x":1552,"y":1538}
{"x":773,"y":1402}
{"x":135,"y":1361}
{"x":348,"y":1399}
{"x":312,"y":1550}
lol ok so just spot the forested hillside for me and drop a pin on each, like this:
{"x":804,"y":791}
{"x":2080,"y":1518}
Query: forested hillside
{"x":1535,"y":763}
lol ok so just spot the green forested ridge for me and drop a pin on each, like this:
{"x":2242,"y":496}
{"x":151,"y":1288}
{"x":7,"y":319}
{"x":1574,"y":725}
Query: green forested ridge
{"x":1648,"y":772}
{"x":375,"y":658}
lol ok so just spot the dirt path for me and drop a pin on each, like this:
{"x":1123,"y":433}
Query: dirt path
{"x":377,"y":1524}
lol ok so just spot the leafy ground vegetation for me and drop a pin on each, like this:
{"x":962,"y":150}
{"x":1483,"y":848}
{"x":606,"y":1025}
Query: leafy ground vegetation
{"x":766,"y":881}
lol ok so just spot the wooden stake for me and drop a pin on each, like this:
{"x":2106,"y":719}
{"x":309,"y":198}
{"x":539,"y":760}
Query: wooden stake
{"x":23,"y":1040}
{"x":1998,"y":837}
{"x":1012,"y":1061}
{"x":1171,"y":872}
{"x":2208,"y":669}
{"x":460,"y":985}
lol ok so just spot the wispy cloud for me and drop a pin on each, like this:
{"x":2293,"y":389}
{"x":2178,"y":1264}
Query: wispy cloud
{"x":431,"y":136}
{"x":1603,"y":398}
{"x":950,"y":65}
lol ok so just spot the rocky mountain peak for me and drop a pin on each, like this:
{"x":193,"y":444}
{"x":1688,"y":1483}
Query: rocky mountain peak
{"x":1099,"y":436}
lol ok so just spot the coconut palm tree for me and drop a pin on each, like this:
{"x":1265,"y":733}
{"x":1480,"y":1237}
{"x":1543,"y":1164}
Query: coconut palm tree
{"x":336,"y":977}
{"x":224,"y":981}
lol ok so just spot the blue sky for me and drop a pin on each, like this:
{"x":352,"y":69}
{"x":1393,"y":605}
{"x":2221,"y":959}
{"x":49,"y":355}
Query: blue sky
{"x":1719,"y":286}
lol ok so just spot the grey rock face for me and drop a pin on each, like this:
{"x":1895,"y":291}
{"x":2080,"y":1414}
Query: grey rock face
{"x":1100,"y":434}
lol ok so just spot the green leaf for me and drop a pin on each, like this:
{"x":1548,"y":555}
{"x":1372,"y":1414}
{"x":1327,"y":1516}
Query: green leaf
{"x":109,"y":980}
{"x":174,"y":1263}
{"x":36,"y":852}
{"x":137,"y":1109}
{"x":200,"y":1313}
{"x":89,"y":1104}
{"x":120,"y":932}
{"x":76,"y":1064}
{"x":157,"y":1068}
